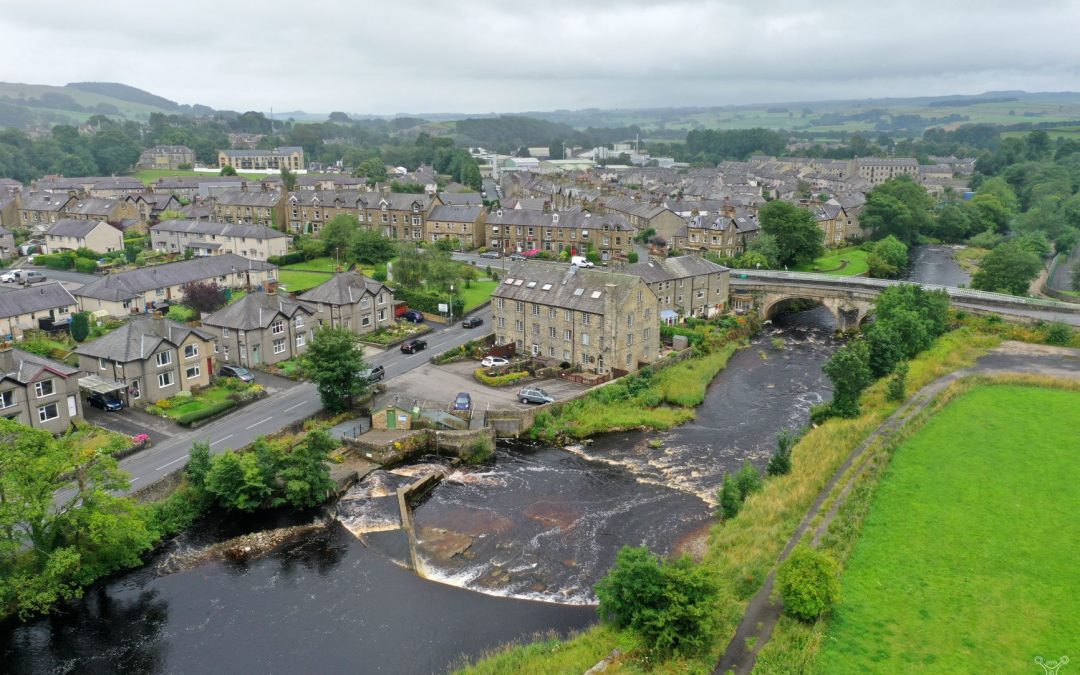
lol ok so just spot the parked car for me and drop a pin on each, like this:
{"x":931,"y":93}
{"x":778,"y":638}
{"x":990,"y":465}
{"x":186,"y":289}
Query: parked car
{"x":517,"y":257}
{"x":413,"y":315}
{"x":472,"y":322}
{"x":28,"y":277}
{"x":489,"y":254}
{"x":534,"y":395}
{"x":580,"y":261}
{"x":413,"y":346}
{"x":494,"y":362}
{"x":243,"y":374}
{"x":10,"y":276}
{"x":463,"y":401}
{"x":107,"y":402}
{"x":373,"y":374}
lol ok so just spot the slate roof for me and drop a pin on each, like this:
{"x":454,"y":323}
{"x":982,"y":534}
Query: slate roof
{"x":667,"y":269}
{"x":207,"y":227}
{"x":44,"y":201}
{"x":399,"y":201}
{"x":575,"y":219}
{"x":461,"y":198}
{"x":284,"y":150}
{"x":241,"y":198}
{"x":93,"y":206}
{"x":327,"y":198}
{"x":455,"y":214}
{"x":137,"y":339}
{"x":125,"y":285}
{"x":24,"y":367}
{"x":70,"y":227}
{"x":34,"y":299}
{"x":343,"y":289}
{"x":565,"y":287}
{"x":256,"y":310}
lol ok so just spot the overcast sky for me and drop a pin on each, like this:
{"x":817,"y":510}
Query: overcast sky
{"x":367,"y":56}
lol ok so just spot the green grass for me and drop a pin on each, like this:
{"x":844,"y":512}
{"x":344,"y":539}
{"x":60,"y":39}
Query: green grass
{"x":180,"y":313}
{"x":316,"y":265}
{"x":149,"y":176}
{"x":206,"y":397}
{"x":479,"y":293}
{"x":833,"y":262}
{"x":295,"y":280}
{"x":967,"y":561}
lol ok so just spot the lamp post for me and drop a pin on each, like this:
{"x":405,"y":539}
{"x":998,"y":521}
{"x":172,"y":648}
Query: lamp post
{"x":451,"y":305}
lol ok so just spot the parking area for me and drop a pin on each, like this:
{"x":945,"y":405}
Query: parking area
{"x":435,"y":386}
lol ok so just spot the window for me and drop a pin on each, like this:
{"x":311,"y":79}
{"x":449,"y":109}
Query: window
{"x":502,"y":322}
{"x":225,"y":333}
{"x":382,"y":299}
{"x":629,"y":339}
{"x":165,"y":379}
{"x":7,"y":399}
{"x":278,"y":327}
{"x":586,"y":319}
{"x":629,"y":320}
{"x":44,"y":388}
{"x":645,"y":334}
{"x":192,"y":371}
{"x":551,"y":312}
{"x":627,"y":360}
{"x":382,"y":315}
{"x":500,"y":303}
{"x":648,"y":313}
{"x":163,"y":359}
{"x":700,"y":294}
{"x":191,"y":351}
{"x":536,"y":310}
{"x":585,"y":339}
{"x":365,"y":320}
{"x":299,"y":321}
{"x":226,"y":352}
{"x":568,"y":335}
{"x":48,"y":412}
{"x":640,"y":296}
{"x":519,"y":325}
{"x":551,"y":332}
{"x":551,"y":352}
{"x":279,"y":345}
{"x":519,"y":306}
{"x":299,"y":339}
{"x":102,"y":363}
{"x":568,"y":315}
{"x":536,"y":329}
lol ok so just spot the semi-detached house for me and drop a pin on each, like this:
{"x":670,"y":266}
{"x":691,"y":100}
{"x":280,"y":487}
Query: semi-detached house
{"x":261,"y":328}
{"x":208,"y":238}
{"x":71,"y":235}
{"x":351,"y":300}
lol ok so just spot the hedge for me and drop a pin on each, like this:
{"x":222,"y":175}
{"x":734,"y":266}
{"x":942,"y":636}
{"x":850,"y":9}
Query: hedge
{"x":287,"y":259}
{"x":190,"y":418}
{"x":427,"y":302}
{"x":85,"y":266}
{"x":500,"y":380}
{"x":55,"y":261}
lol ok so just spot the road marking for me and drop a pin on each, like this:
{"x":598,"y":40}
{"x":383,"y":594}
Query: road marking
{"x":221,"y":440}
{"x":260,"y":422}
{"x":178,"y":459}
{"x":134,"y":479}
{"x":295,"y":406}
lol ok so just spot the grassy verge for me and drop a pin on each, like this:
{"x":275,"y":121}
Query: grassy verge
{"x":952,"y":570}
{"x":178,"y":407}
{"x":317,"y":265}
{"x":846,"y":262}
{"x":296,"y":280}
{"x":478,"y":293}
{"x":970,"y":257}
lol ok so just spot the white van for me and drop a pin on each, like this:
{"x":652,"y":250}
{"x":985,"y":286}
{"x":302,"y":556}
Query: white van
{"x":580,"y":261}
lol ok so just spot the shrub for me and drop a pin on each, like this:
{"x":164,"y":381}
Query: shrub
{"x":85,"y":266}
{"x":190,"y":418}
{"x":287,"y":259}
{"x":499,"y":380}
{"x":632,"y":257}
{"x":821,"y":412}
{"x":1057,"y":333}
{"x":670,"y":604}
{"x":896,"y":389}
{"x":748,"y":480}
{"x":780,"y":462}
{"x":730,"y":503}
{"x":808,"y":584}
{"x":55,"y":261}
{"x":478,"y":452}
{"x":80,"y":326}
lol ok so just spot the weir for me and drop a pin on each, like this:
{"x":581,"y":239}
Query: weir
{"x":405,"y":497}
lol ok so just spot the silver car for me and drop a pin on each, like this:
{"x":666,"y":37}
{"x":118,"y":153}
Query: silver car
{"x":534,"y":395}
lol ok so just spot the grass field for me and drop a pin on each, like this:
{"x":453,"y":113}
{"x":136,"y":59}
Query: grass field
{"x":151,"y":175}
{"x":296,"y":280}
{"x":967,"y":560}
{"x":479,"y":293}
{"x":841,"y":262}
{"x":315,"y":265}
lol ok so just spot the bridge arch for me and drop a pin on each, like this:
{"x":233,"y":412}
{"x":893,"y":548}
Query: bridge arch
{"x":848,"y":313}
{"x":772,"y":306}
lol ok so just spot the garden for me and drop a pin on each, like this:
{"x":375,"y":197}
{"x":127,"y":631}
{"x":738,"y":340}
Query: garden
{"x":850,"y":261}
{"x":394,"y":333}
{"x":188,"y":407}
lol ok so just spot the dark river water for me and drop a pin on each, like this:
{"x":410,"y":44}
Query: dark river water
{"x":539,"y":523}
{"x":934,"y":264}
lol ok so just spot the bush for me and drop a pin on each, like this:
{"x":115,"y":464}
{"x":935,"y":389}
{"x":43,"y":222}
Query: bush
{"x":896,"y":389}
{"x":427,"y":302}
{"x":730,"y":503}
{"x":670,"y":604}
{"x":821,"y":412}
{"x":287,"y":259}
{"x":1057,"y":333}
{"x":503,"y":380}
{"x":80,"y":326}
{"x":808,"y":584}
{"x":478,"y":452}
{"x":780,"y":462}
{"x":55,"y":261}
{"x":190,"y":418}
{"x":632,"y":257}
{"x":748,"y":480}
{"x":85,"y":266}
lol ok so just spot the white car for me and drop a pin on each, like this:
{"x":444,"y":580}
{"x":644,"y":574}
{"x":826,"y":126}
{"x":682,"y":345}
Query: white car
{"x":10,"y":276}
{"x":494,"y":362}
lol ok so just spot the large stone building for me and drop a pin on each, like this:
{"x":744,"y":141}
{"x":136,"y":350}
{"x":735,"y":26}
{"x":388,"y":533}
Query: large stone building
{"x":265,"y":207}
{"x":519,"y":230}
{"x":643,"y":216}
{"x":205,"y":238}
{"x":288,"y":157}
{"x":723,"y":234}
{"x":351,"y":300}
{"x":166,"y":158}
{"x":37,"y":212}
{"x":687,"y":285}
{"x":154,"y":357}
{"x":877,"y":170}
{"x":261,"y":328}
{"x":398,"y":216}
{"x":594,"y":319}
{"x":307,"y":211}
{"x":38,"y":392}
{"x":464,"y":224}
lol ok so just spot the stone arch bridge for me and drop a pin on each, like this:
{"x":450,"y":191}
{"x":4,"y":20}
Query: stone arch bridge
{"x":850,"y":299}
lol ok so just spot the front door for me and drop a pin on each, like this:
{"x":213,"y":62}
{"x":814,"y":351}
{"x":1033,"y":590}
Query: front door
{"x":391,"y":419}
{"x":256,"y":354}
{"x":73,"y":407}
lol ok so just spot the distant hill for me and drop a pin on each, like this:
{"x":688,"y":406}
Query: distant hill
{"x":125,"y":93}
{"x":40,"y":106}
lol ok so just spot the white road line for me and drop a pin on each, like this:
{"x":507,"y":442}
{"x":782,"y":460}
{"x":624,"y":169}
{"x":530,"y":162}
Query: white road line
{"x":221,"y":440}
{"x":260,"y":422}
{"x":134,"y":479}
{"x":295,"y":406}
{"x":178,"y":459}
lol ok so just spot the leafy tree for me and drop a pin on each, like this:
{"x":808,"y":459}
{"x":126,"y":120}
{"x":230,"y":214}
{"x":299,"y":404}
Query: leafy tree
{"x":339,"y":234}
{"x":312,"y":248}
{"x":305,"y":471}
{"x":632,"y":257}
{"x":849,"y":371}
{"x":556,"y":149}
{"x":898,"y":207}
{"x":1009,"y":268}
{"x":332,"y":361}
{"x":227,"y":170}
{"x":198,"y":466}
{"x":373,"y":169}
{"x":954,"y":222}
{"x":670,"y":604}
{"x":1074,"y":277}
{"x":236,"y":481}
{"x":780,"y":462}
{"x":931,"y":306}
{"x":406,"y":188}
{"x":765,"y":245}
{"x":808,"y":583}
{"x":593,"y":256}
{"x":888,"y":258}
{"x":730,"y":501}
{"x":798,"y":237}
{"x":288,"y":178}
{"x":204,"y":297}
{"x":747,"y":480}
{"x":80,"y":326}
{"x":896,"y":390}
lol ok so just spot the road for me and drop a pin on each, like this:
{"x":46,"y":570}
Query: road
{"x":59,"y":275}
{"x":279,"y":410}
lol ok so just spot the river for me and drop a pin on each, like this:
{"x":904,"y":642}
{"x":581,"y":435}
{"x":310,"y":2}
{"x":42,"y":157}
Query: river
{"x":539,"y":523}
{"x":934,"y":264}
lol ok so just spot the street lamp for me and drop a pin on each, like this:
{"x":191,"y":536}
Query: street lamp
{"x":451,"y":306}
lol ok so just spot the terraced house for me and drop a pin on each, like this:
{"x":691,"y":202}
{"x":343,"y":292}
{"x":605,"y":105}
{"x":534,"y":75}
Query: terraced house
{"x":351,"y":300}
{"x":721,"y":234}
{"x":209,"y":237}
{"x":644,"y":216}
{"x":128,"y":210}
{"x":152,"y":356}
{"x":519,"y":230}
{"x":594,"y":319}
{"x":398,"y":216}
{"x":25,"y":308}
{"x":261,"y":328}
{"x":464,"y":224}
{"x":308,"y":210}
{"x":687,"y":285}
{"x":71,"y":235}
{"x":38,"y":392}
{"x":40,"y":210}
{"x":240,"y":206}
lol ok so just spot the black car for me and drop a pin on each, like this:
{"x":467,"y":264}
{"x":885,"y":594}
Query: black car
{"x":472,"y":322}
{"x":413,"y":346}
{"x":413,"y":315}
{"x":373,"y":374}
{"x":243,"y":374}
{"x":108,"y":402}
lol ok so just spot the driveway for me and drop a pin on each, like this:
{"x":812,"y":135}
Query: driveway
{"x":131,"y":422}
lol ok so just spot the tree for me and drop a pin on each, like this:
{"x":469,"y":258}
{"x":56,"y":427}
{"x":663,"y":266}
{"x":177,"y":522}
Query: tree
{"x":632,"y":257}
{"x":373,"y":169}
{"x":888,"y":258}
{"x":747,"y":480}
{"x":896,"y":390}
{"x":369,"y":247}
{"x":556,"y":149}
{"x":780,"y":462}
{"x":1075,"y":277}
{"x":288,"y":178}
{"x":305,"y":472}
{"x":849,"y":371}
{"x":80,"y":326}
{"x":339,"y":233}
{"x":954,"y":222}
{"x":808,"y":584}
{"x":798,"y":237}
{"x":1008,"y":268}
{"x":312,"y":248}
{"x":332,"y":361}
{"x":204,"y":297}
{"x":765,"y":245}
{"x":730,"y":501}
{"x":198,"y":466}
{"x":670,"y":604}
{"x":898,"y":207}
{"x":227,"y":170}
{"x":236,"y":481}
